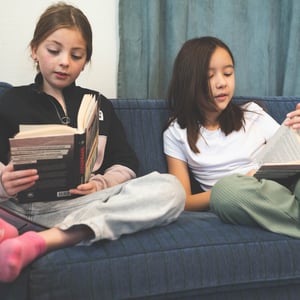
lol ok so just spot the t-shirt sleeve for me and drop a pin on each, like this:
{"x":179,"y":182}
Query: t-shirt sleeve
{"x":173,"y":142}
{"x":268,"y":125}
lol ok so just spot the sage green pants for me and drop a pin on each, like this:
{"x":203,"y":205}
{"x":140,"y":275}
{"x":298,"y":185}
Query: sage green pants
{"x":244,"y":200}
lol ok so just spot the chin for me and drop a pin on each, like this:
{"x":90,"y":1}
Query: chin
{"x":222,"y":106}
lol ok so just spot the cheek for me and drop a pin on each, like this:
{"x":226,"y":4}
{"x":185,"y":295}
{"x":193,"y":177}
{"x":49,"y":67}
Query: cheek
{"x":232,"y":83}
{"x":211,"y":84}
{"x":79,"y":68}
{"x":44,"y":58}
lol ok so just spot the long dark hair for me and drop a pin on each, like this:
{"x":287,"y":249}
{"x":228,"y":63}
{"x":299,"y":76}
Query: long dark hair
{"x":189,"y":97}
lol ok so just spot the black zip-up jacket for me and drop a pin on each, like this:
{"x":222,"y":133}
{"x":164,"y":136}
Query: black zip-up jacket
{"x":28,"y":105}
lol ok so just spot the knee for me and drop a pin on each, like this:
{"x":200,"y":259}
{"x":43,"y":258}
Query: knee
{"x":176,"y":192}
{"x":221,"y":193}
{"x":168,"y":191}
{"x":229,"y":193}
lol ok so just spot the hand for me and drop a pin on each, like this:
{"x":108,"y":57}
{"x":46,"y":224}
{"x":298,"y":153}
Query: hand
{"x":293,"y":118}
{"x":17,"y":181}
{"x":85,"y":189}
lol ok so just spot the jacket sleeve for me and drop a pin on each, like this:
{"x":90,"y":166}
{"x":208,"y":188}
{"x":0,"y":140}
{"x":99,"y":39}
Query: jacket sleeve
{"x":3,"y":194}
{"x":119,"y":162}
{"x":113,"y":176}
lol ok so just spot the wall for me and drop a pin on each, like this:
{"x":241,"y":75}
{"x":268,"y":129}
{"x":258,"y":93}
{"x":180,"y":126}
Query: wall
{"x":17,"y":22}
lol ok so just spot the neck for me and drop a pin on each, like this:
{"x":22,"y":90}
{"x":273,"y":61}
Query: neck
{"x":212,"y":124}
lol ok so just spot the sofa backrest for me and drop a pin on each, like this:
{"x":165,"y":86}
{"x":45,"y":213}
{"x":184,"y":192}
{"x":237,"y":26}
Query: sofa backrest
{"x":276,"y":106}
{"x":144,"y":121}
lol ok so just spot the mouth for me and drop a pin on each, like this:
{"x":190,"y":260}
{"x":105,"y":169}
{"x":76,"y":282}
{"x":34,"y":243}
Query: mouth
{"x":221,"y":97}
{"x":61,"y":75}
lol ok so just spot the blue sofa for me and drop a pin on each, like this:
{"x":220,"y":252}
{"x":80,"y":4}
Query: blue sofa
{"x":196,"y":257}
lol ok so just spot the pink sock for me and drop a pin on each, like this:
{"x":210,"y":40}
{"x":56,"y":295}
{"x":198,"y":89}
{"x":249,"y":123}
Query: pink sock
{"x":7,"y":231}
{"x":17,"y":253}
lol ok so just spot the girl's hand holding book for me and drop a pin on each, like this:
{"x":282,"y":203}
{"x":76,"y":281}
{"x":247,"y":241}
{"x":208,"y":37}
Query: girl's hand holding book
{"x":17,"y":181}
{"x":84,"y":189}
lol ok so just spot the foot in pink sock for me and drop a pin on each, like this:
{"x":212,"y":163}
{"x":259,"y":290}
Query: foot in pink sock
{"x":17,"y":253}
{"x":7,"y":231}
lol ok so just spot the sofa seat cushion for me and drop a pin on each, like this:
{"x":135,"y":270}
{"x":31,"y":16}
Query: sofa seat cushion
{"x":197,"y":254}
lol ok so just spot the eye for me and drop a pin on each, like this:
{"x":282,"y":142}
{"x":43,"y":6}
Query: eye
{"x":228,"y":71}
{"x":228,"y":74}
{"x":53,"y":51}
{"x":76,"y":57}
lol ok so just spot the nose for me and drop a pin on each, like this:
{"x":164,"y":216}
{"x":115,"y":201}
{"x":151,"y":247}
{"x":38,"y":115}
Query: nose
{"x":64,"y":60}
{"x":220,"y":81}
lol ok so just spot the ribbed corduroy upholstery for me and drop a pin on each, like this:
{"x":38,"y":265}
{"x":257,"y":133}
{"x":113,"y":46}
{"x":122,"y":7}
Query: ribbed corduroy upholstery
{"x":196,"y":257}
{"x":144,"y":122}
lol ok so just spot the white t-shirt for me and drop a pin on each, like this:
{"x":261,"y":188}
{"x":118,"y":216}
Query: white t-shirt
{"x":222,"y":155}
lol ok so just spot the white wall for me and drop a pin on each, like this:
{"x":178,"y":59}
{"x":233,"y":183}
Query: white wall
{"x":17,"y":23}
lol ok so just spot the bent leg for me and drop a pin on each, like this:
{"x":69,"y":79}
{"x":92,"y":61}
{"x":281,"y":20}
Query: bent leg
{"x":148,"y":201}
{"x":138,"y":204}
{"x":245,"y":200}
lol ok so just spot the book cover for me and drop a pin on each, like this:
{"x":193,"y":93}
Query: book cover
{"x":64,"y":156}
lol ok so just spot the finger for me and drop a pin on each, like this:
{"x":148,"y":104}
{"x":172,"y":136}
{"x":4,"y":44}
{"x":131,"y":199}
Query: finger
{"x":20,"y":188}
{"x":293,"y":114}
{"x":81,"y":191}
{"x":15,"y":180}
{"x":78,"y":192}
{"x":15,"y":175}
{"x":15,"y":185}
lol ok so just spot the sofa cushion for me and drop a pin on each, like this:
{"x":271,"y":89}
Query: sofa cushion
{"x":198,"y":254}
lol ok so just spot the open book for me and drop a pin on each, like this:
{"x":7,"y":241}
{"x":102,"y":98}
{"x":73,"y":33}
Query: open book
{"x":64,"y":156}
{"x":280,"y":158}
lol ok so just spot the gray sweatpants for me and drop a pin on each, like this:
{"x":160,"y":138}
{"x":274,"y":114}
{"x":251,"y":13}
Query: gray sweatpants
{"x":148,"y":201}
{"x":244,"y":200}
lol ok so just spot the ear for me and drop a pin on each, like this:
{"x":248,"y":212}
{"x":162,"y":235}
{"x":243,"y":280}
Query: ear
{"x":33,"y":54}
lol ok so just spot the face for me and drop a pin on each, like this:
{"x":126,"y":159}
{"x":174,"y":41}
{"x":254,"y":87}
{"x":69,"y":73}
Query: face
{"x":61,"y":58}
{"x":221,"y":78}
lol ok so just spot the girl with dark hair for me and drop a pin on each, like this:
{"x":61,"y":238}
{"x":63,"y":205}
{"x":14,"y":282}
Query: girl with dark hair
{"x":215,"y":140}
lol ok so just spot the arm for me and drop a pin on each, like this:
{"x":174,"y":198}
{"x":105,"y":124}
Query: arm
{"x":116,"y":162}
{"x":114,"y":175}
{"x":194,"y":202}
{"x":116,"y":150}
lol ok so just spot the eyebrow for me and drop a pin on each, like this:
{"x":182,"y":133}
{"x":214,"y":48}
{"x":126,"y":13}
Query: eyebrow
{"x":54,"y":41}
{"x":225,"y":67}
{"x":60,"y":44}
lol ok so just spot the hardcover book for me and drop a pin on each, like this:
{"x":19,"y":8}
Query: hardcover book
{"x":64,"y":156}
